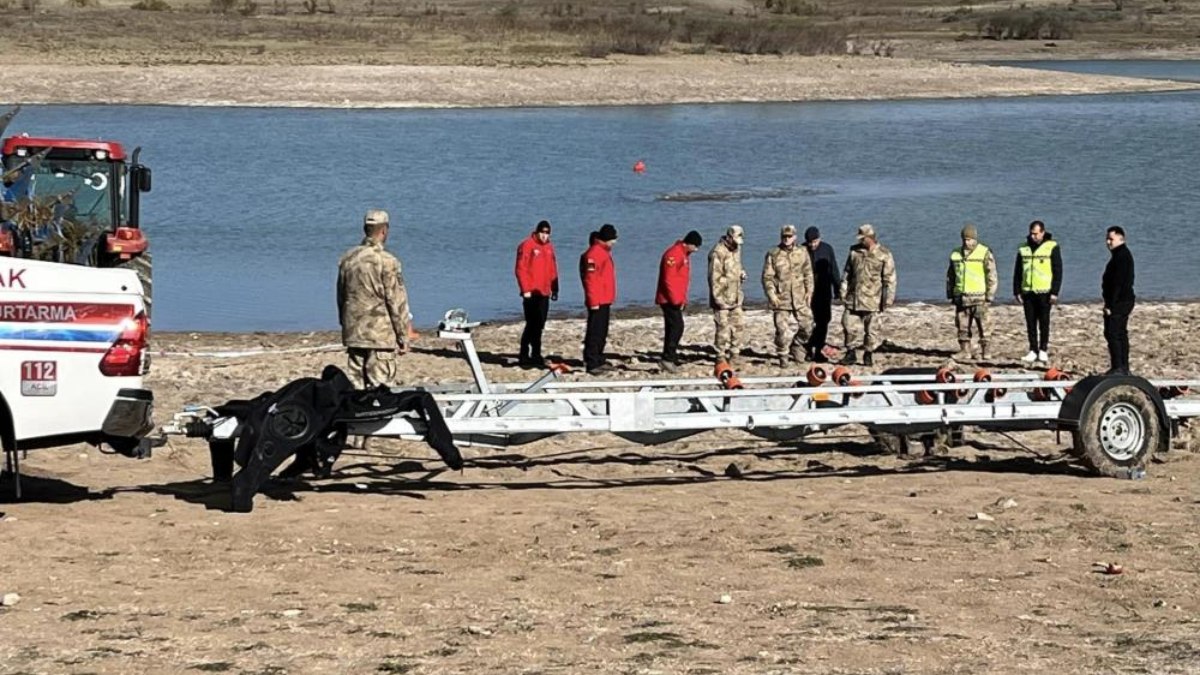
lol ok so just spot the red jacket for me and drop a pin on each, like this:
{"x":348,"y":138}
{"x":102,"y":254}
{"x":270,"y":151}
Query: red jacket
{"x":674,"y":275}
{"x":599,"y":276}
{"x":536,"y":269}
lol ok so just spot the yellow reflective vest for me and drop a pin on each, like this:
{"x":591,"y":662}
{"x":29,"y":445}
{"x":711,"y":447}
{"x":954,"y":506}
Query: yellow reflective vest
{"x":1037,"y":275}
{"x":970,"y":273}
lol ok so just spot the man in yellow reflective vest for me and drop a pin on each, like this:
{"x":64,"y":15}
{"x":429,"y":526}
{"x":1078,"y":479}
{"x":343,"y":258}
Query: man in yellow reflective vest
{"x":1037,"y":279}
{"x":971,"y":282}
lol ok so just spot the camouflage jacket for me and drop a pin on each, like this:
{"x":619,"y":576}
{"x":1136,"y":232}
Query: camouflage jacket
{"x":372,"y":301}
{"x":869,"y":279}
{"x":725,"y":277}
{"x":787,"y":277}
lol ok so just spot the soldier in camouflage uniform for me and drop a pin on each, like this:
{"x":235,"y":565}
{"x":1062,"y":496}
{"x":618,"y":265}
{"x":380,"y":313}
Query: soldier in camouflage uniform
{"x":726,"y":277}
{"x":372,"y":305}
{"x":787,"y":280}
{"x":868,"y":288}
{"x":971,"y":282}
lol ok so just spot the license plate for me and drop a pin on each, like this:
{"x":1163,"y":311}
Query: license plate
{"x":39,"y":378}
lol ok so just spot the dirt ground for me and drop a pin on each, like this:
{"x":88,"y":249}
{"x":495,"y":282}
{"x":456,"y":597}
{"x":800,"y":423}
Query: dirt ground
{"x":590,"y":554}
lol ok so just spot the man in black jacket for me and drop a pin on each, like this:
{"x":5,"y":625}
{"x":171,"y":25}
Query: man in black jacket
{"x":827,"y":279}
{"x":1117,"y":289}
{"x":1037,"y":280}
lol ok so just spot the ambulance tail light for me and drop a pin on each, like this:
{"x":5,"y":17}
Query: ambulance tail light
{"x":124,"y":358}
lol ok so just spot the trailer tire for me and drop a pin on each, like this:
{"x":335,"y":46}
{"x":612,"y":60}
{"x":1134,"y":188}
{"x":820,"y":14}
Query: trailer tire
{"x":889,"y":443}
{"x":143,"y":265}
{"x":1118,"y":431}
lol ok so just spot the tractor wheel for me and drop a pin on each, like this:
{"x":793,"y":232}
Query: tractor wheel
{"x":144,"y":267}
{"x":1118,"y":432}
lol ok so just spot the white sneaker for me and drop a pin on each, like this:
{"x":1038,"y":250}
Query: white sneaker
{"x":1043,"y":357}
{"x":1030,"y":357}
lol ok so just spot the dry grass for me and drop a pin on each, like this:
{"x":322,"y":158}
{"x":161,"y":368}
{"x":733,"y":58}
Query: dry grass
{"x":532,"y":32}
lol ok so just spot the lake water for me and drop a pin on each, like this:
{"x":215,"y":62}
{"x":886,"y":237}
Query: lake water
{"x":1156,"y":69}
{"x":251,"y":208}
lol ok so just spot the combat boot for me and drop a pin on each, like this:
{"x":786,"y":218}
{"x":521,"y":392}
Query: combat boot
{"x":964,"y":351}
{"x":868,"y":359}
{"x":851,"y":358}
{"x":983,"y":351}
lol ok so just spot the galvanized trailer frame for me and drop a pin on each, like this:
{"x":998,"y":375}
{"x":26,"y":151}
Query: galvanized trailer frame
{"x":1116,"y":422}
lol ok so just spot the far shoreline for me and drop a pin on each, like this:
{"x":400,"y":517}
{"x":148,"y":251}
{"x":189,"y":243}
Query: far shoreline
{"x":625,"y":313}
{"x":644,"y":81}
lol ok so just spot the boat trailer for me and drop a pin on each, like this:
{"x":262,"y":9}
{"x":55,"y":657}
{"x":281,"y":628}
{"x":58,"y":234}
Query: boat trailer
{"x":1116,"y":422}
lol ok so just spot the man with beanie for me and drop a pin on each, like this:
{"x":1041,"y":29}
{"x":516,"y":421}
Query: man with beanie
{"x":787,"y":280}
{"x":674,"y":277}
{"x":726,"y":277}
{"x":537,"y":281}
{"x":1037,"y":279}
{"x":971,"y":282}
{"x":868,"y":288}
{"x":827,"y":285}
{"x":1116,"y":288}
{"x":372,"y":306}
{"x":599,"y":291}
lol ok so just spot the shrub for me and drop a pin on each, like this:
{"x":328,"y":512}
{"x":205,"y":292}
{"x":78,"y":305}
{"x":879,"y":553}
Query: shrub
{"x":508,"y":15}
{"x":794,"y":7}
{"x":1025,"y":25}
{"x":151,"y":6}
{"x":637,"y":35}
{"x":757,"y":37}
{"x":595,"y":49}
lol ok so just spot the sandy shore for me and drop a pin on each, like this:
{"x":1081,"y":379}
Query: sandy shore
{"x":629,"y":81}
{"x":587,"y":553}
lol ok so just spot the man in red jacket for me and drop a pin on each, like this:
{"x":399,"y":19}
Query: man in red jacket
{"x":674,"y":275}
{"x":599,"y":291}
{"x":537,"y":280}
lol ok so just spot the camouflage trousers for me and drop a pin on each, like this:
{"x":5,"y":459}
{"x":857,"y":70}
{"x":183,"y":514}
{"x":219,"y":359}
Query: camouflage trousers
{"x":861,"y":330}
{"x":971,"y":322}
{"x":370,"y":368}
{"x":785,"y":340}
{"x":728,"y":339}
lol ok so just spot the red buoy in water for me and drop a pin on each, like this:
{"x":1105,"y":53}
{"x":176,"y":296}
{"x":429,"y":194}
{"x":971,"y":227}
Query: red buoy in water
{"x":639,"y":167}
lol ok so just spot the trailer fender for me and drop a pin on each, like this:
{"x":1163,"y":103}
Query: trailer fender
{"x":1117,"y":422}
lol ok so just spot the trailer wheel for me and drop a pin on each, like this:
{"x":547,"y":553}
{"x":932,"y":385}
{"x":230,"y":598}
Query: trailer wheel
{"x":1118,"y":431}
{"x":889,"y":443}
{"x":144,"y":266}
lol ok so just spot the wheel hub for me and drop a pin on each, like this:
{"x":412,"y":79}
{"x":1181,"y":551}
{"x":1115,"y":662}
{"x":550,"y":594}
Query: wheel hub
{"x":1122,"y":432}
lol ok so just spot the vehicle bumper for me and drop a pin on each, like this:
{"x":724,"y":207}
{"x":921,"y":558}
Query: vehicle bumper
{"x":131,"y":414}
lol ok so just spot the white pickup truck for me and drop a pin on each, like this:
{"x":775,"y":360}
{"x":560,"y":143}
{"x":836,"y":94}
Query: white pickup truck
{"x":73,"y":350}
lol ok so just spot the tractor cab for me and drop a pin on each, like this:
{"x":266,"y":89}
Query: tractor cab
{"x":71,"y":201}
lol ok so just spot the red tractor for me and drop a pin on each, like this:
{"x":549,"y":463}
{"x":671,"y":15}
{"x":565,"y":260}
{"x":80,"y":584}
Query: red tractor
{"x":73,"y":201}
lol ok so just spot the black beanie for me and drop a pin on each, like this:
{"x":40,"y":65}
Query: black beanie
{"x":812,"y":233}
{"x":543,"y":226}
{"x":607,"y":233}
{"x":693,"y":238}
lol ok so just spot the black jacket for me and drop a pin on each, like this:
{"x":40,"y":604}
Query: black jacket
{"x":1117,"y":285}
{"x":1055,"y":267}
{"x":827,"y":276}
